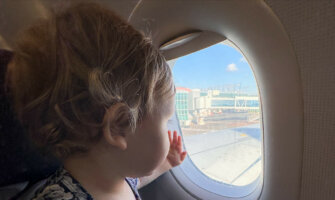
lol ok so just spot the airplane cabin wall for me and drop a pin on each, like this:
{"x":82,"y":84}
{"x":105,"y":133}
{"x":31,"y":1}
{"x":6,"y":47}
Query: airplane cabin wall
{"x":310,"y":26}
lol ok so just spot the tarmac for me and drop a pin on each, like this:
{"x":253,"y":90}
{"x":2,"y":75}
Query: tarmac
{"x":231,"y":156}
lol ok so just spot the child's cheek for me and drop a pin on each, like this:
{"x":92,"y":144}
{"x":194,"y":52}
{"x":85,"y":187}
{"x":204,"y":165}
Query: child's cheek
{"x":166,"y":143}
{"x":162,"y":145}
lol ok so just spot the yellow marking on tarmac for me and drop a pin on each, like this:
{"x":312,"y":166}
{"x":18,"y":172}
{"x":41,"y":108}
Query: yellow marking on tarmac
{"x":243,"y":135}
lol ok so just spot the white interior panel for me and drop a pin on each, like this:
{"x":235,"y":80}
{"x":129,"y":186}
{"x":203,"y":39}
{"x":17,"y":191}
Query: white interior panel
{"x":311,"y":27}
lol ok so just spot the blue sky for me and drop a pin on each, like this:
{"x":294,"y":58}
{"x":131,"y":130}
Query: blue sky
{"x":217,"y":65}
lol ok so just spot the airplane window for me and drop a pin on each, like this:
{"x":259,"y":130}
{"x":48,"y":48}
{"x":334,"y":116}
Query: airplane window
{"x":218,"y":108}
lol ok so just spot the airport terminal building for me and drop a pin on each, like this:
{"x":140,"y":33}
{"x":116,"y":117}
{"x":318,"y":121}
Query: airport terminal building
{"x":194,"y":104}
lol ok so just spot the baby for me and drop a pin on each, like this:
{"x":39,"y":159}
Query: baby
{"x":95,"y":93}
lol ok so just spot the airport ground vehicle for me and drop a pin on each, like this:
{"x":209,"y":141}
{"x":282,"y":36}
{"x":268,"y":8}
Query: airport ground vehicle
{"x":289,"y":45}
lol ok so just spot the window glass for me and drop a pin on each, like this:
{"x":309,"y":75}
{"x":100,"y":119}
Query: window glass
{"x":218,"y":108}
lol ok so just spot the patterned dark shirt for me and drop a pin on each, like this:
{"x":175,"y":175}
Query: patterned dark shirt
{"x":62,"y":186}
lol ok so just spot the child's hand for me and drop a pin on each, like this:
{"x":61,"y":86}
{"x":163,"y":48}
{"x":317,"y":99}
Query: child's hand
{"x":175,"y":156}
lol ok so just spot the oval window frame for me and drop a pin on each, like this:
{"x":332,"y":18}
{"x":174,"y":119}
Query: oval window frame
{"x":189,"y":172}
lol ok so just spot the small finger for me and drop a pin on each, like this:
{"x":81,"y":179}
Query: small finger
{"x":179,"y":144}
{"x":183,"y":156}
{"x":175,"y":137}
{"x":169,"y":132}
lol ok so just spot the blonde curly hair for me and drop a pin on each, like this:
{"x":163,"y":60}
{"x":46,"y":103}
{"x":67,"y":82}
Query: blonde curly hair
{"x":68,"y":69}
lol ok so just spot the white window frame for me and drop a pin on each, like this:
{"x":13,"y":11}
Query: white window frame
{"x":189,"y":174}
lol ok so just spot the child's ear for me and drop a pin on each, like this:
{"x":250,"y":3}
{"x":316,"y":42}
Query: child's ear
{"x":116,"y":125}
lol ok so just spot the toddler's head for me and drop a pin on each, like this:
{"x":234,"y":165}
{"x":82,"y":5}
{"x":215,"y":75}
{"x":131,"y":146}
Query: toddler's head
{"x":83,"y":73}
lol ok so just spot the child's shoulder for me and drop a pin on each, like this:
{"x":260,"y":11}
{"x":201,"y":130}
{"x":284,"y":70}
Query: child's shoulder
{"x":62,"y":186}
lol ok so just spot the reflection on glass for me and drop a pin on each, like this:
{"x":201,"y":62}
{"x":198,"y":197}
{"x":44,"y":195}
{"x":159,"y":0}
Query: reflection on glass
{"x":218,"y":108}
